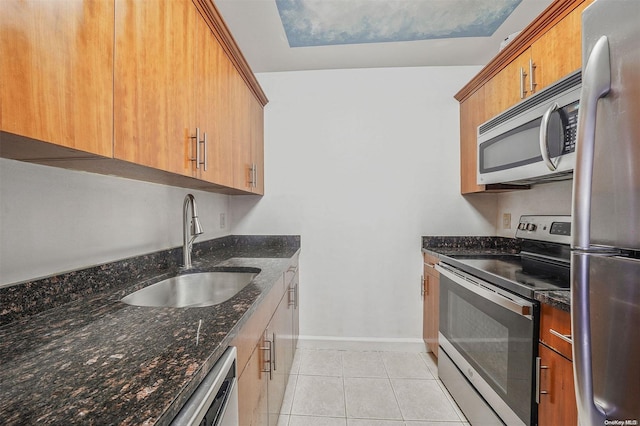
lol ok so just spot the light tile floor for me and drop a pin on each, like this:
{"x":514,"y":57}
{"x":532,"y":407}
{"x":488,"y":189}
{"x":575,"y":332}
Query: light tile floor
{"x":352,"y":388}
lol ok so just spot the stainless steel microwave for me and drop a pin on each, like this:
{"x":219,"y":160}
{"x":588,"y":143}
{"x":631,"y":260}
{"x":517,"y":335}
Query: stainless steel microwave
{"x":533,"y":141}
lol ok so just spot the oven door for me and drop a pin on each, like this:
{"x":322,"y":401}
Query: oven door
{"x":491,"y":336}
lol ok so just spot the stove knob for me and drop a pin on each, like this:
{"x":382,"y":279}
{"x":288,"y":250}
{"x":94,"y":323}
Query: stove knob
{"x":522,"y":226}
{"x":531,"y":227}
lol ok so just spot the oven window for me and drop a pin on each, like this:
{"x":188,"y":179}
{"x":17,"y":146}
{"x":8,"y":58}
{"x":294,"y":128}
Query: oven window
{"x":498,"y":343}
{"x":481,"y":338}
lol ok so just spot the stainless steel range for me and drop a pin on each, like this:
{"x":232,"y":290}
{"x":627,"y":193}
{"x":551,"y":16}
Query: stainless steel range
{"x":489,"y":321}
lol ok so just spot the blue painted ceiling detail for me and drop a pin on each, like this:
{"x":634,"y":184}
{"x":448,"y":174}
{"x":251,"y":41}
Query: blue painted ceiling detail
{"x":333,"y":22}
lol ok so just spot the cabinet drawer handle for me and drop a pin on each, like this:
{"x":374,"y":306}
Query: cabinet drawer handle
{"x":273,"y":362}
{"x":539,"y":367}
{"x":565,"y":337}
{"x":205,"y":153}
{"x":267,"y":348}
{"x":532,"y":83}
{"x":292,"y":296}
{"x":197,"y":147}
{"x":523,"y":90}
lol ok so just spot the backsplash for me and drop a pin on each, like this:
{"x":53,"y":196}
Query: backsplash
{"x":32,"y":297}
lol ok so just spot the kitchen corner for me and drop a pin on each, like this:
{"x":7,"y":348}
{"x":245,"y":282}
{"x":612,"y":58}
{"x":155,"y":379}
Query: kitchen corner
{"x":80,"y":353}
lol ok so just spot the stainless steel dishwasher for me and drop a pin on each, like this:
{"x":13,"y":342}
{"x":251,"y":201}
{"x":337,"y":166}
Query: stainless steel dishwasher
{"x":215,"y":402}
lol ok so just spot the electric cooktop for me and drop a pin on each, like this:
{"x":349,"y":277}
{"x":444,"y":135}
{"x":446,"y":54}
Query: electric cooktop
{"x":542,"y":264}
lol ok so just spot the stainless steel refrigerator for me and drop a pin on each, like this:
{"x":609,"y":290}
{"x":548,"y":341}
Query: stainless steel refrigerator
{"x":605,"y":268}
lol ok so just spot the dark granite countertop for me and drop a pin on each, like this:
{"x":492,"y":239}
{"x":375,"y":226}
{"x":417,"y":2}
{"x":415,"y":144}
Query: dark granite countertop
{"x":95,"y":360}
{"x":465,"y":245}
{"x":559,"y":299}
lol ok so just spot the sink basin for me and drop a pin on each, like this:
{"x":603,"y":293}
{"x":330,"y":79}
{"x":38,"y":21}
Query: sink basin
{"x":191,"y":290}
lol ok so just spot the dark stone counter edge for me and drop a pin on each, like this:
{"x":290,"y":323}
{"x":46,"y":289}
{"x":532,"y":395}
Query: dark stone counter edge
{"x":449,"y":245}
{"x":22,"y":300}
{"x":559,"y":299}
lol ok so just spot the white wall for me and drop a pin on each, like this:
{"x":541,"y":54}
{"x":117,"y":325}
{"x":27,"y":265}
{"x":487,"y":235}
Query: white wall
{"x":54,"y":220}
{"x":548,"y":198}
{"x":361,"y":164}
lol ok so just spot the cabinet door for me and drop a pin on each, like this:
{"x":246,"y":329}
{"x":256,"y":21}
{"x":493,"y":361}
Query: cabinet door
{"x":558,"y":52}
{"x":508,"y":87}
{"x":472,"y":114}
{"x":252,"y":389}
{"x":57,"y":72}
{"x":280,"y":332}
{"x":154,"y":84}
{"x":212,"y":113}
{"x":431,"y":304}
{"x":295,"y":303}
{"x":557,"y":399}
{"x":247,"y":134}
{"x":257,"y":145}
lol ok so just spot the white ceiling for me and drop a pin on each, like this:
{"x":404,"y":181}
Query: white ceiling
{"x":258,"y":29}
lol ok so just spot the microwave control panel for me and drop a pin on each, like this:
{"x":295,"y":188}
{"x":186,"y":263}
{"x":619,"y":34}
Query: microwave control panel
{"x":570,"y":122}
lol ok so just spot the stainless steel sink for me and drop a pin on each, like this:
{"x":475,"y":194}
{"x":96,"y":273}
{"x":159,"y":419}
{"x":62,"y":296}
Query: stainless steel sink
{"x":191,"y":290}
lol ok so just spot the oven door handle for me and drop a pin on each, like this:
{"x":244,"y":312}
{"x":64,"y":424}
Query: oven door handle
{"x":513,"y":303}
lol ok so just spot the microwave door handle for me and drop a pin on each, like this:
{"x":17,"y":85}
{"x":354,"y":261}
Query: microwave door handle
{"x":596,"y":84}
{"x":544,"y":136}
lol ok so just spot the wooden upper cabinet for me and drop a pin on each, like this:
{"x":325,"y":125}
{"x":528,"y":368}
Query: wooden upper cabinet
{"x":213,"y":96}
{"x":558,"y":52}
{"x":56,"y":72}
{"x":507,"y":87}
{"x":247,"y":135}
{"x":472,"y":114}
{"x":154,"y":113}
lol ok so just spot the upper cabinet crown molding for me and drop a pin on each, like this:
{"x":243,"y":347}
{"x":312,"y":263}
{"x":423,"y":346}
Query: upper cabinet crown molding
{"x":532,"y":32}
{"x":220,"y":30}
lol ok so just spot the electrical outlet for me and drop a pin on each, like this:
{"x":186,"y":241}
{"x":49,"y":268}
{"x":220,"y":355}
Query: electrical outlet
{"x":506,"y":220}
{"x":223,"y":221}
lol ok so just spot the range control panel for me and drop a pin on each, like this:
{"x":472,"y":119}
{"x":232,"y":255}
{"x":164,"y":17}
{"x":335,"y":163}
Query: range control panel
{"x":555,"y":229}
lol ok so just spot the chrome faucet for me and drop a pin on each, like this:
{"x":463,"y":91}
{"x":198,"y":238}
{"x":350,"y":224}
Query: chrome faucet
{"x":189,"y":235}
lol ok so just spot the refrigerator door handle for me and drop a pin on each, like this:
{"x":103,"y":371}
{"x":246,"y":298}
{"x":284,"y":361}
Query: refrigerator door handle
{"x":596,"y":83}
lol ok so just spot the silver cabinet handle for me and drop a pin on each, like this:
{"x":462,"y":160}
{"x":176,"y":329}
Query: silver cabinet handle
{"x":596,"y":83}
{"x":422,"y":278}
{"x":268,"y":349}
{"x":254,"y":175}
{"x":523,"y":90}
{"x":544,"y":136}
{"x":198,"y":142}
{"x":205,"y":152}
{"x":564,"y":337}
{"x":292,"y":296}
{"x":197,"y":147}
{"x":532,"y":83}
{"x":539,"y":367}
{"x":195,"y":159}
{"x":273,"y":362}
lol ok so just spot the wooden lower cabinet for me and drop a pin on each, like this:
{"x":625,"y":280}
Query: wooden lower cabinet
{"x":252,"y":389}
{"x":280,"y":334}
{"x":431,"y":300}
{"x":264,"y":374}
{"x":557,"y":395}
